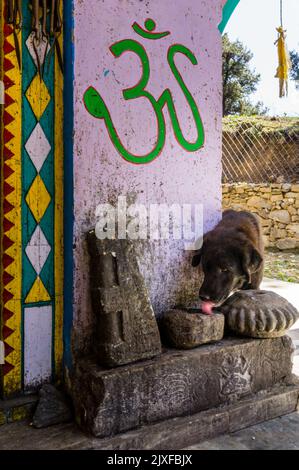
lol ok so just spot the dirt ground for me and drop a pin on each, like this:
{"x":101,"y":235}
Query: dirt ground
{"x":282,"y":265}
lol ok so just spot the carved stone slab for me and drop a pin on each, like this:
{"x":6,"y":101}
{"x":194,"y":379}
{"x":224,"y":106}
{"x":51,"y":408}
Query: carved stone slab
{"x":184,"y":330}
{"x":259,"y":314}
{"x":178,"y":383}
{"x":127,"y":330}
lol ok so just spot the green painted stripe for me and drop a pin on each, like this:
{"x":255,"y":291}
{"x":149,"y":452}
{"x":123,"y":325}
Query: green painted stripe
{"x":228,"y":10}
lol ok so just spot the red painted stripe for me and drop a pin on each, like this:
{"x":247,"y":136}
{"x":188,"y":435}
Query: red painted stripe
{"x":7,"y":368}
{"x":7,"y":47}
{"x":7,"y":278}
{"x":7,"y":82}
{"x":6,"y":242}
{"x":7,"y":153}
{"x":7,"y":171}
{"x":7,"y":332}
{"x":7,"y":225}
{"x":7,"y":260}
{"x":7,"y":118}
{"x":7,"y":206}
{"x":7,"y":136}
{"x":8,"y":100}
{"x":7,"y":314}
{"x":7,"y":296}
{"x":7,"y":65}
{"x":7,"y":189}
{"x":7,"y":349}
{"x":7,"y":29}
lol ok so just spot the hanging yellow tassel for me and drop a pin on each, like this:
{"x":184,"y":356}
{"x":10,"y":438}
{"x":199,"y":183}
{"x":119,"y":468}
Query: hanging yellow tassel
{"x":283,"y":61}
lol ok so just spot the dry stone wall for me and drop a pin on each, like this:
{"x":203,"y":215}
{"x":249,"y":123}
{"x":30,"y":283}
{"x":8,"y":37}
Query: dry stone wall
{"x":276,"y":204}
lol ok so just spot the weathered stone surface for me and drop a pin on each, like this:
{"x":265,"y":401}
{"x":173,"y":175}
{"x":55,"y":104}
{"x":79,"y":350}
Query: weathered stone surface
{"x":287,"y":244}
{"x":17,"y":409}
{"x":185,"y":330}
{"x":176,"y":384}
{"x":52,"y":408}
{"x":127,"y":330}
{"x":281,"y":216}
{"x":259,"y":314}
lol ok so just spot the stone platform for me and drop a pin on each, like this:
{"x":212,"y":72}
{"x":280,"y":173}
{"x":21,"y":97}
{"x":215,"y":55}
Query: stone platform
{"x":183,"y":384}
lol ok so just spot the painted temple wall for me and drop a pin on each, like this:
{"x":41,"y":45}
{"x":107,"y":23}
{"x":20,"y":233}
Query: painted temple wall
{"x":176,"y":176}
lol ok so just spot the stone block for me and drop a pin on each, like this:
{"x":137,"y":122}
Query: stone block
{"x":294,"y":228}
{"x":280,"y":216}
{"x":52,"y":408}
{"x":295,"y":188}
{"x":185,"y":330}
{"x":286,"y":244}
{"x":178,"y":383}
{"x":126,"y":327}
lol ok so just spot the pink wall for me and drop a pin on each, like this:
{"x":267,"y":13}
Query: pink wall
{"x":176,"y":176}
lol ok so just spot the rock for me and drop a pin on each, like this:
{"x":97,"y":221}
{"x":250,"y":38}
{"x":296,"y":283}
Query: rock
{"x":286,"y":244}
{"x":127,"y":329}
{"x":295,"y":188}
{"x":177,"y":383}
{"x":258,"y":314}
{"x":52,"y":408}
{"x":280,"y":216}
{"x":294,"y":228}
{"x":185,"y":330}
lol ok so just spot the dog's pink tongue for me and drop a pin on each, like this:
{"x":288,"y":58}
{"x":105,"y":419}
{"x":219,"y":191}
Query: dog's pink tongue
{"x":206,"y":307}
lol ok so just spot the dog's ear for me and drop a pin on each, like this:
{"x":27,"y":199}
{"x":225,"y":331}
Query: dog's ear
{"x":252,"y":260}
{"x":196,"y":259}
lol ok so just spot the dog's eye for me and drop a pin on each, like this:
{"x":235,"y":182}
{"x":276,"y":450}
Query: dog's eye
{"x":224,"y":270}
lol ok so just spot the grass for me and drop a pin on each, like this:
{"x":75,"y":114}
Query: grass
{"x":282,"y":265}
{"x":261,"y":125}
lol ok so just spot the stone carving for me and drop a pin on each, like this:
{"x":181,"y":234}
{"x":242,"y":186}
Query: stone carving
{"x":185,"y":330}
{"x":177,"y":383}
{"x":126,"y":329}
{"x":259,"y":314}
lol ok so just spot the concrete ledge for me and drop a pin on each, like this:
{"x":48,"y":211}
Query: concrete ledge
{"x":178,"y":383}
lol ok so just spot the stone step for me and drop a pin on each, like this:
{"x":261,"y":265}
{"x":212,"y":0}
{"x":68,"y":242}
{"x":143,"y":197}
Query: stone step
{"x":180,"y":433}
{"x":177,"y":383}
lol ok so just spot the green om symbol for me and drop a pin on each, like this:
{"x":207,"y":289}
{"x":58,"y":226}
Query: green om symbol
{"x":96,"y":106}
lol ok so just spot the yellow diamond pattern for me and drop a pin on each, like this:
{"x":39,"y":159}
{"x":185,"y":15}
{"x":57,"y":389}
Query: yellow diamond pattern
{"x":38,"y":292}
{"x":38,"y":198}
{"x":38,"y":96}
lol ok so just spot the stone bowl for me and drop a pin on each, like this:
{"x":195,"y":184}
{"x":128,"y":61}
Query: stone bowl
{"x":258,"y":314}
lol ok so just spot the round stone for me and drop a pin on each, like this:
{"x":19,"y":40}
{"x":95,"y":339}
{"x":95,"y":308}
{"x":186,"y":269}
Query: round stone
{"x":258,"y":314}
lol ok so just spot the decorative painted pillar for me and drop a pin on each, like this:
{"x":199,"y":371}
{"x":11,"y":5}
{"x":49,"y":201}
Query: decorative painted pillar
{"x":147,"y":127}
{"x":32,"y":208}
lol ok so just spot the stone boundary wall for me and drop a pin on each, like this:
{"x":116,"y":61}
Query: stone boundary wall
{"x":276,"y":204}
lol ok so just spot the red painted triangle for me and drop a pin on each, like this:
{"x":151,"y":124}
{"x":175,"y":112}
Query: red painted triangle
{"x":8,"y":349}
{"x":7,"y":225}
{"x":8,"y":100}
{"x":7,"y":314}
{"x":7,"y":206}
{"x":6,"y":296}
{"x":7,"y":189}
{"x":7,"y":47}
{"x":7,"y":278}
{"x":7,"y":136}
{"x":7,"y":65}
{"x":7,"y":82}
{"x":7,"y":29}
{"x":6,"y":242}
{"x":7,"y":368}
{"x":7,"y":154}
{"x":7,"y":171}
{"x":6,"y":332}
{"x":7,"y":118}
{"x":6,"y":260}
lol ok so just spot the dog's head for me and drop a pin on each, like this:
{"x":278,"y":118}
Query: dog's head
{"x":227,"y":267}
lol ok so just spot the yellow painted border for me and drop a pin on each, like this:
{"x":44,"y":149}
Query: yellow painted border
{"x":58,"y":227}
{"x":12,"y":382}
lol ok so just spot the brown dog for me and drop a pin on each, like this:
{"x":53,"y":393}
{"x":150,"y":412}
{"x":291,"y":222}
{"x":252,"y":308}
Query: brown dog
{"x":231,"y":257}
